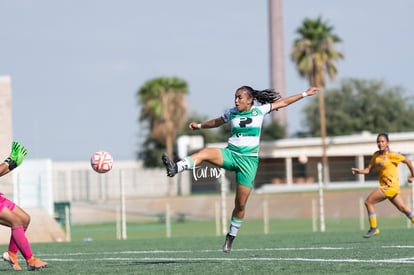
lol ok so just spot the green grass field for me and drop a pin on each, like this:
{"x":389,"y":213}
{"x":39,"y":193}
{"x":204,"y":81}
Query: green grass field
{"x":293,"y":249}
{"x":193,"y":228}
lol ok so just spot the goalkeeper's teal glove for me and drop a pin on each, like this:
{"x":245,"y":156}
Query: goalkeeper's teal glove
{"x":17,"y":155}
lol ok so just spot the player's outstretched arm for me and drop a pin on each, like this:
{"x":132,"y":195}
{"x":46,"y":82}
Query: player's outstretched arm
{"x":360,"y":171}
{"x":213,"y":123}
{"x":411,"y":168}
{"x":17,"y":155}
{"x":291,"y":99}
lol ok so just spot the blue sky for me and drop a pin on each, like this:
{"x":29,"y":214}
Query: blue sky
{"x":76,"y":65}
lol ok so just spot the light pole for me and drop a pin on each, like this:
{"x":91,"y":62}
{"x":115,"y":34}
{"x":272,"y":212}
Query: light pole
{"x":277,"y":64}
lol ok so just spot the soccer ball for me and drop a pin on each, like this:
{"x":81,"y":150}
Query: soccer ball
{"x":101,"y":162}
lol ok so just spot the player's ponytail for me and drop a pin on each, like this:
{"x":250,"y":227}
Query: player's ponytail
{"x":262,"y":96}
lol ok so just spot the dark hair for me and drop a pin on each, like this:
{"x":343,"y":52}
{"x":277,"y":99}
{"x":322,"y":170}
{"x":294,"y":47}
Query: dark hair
{"x":263,"y":96}
{"x":383,"y":135}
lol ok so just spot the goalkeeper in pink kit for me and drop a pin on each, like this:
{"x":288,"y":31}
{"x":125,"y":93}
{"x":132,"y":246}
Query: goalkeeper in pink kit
{"x":16,"y":218}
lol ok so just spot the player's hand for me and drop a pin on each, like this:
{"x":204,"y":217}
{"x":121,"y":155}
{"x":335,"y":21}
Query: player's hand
{"x":355,"y":171}
{"x":411,"y":179}
{"x":194,"y":126}
{"x":312,"y":91}
{"x":17,"y":155}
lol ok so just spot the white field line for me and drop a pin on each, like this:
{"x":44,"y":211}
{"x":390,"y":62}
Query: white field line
{"x":63,"y":257}
{"x":195,"y":259}
{"x":200,"y":251}
{"x":398,"y":246}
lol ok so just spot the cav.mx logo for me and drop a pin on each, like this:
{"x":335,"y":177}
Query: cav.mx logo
{"x":207,"y":172}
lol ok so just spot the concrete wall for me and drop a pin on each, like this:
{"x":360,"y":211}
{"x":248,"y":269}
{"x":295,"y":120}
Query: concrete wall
{"x":40,"y":183}
{"x":6,"y":129}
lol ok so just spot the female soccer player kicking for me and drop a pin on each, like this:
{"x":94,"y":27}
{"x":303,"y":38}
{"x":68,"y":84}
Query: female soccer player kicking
{"x":242,"y":152}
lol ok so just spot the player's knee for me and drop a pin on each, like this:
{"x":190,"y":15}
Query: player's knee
{"x":26,"y":221}
{"x":23,"y":220}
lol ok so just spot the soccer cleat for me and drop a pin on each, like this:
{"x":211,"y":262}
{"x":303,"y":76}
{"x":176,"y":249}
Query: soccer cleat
{"x":169,"y":165}
{"x":35,"y":264}
{"x":372,"y":232}
{"x":228,"y":243}
{"x":11,"y":258}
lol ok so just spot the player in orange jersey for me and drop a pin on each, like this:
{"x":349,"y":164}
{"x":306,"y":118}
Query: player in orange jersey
{"x":386,"y":163}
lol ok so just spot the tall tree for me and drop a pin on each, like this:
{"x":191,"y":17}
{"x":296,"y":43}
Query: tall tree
{"x":164,"y":108}
{"x":363,"y":105}
{"x":273,"y":131}
{"x":315,"y":56}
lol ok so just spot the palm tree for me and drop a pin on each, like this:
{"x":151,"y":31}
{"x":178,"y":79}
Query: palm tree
{"x":164,"y":107}
{"x":315,"y":56}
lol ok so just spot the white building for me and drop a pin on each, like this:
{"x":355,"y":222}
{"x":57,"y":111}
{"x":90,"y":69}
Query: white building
{"x":287,"y":162}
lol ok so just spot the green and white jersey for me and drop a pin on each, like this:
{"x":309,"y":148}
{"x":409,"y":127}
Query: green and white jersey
{"x":246,"y":129}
